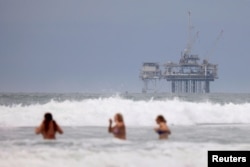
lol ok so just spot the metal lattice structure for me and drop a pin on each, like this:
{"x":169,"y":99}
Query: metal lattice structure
{"x":190,"y":76}
{"x":150,"y":74}
{"x":187,"y":76}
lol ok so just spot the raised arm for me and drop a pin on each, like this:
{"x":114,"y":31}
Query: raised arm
{"x":168,"y":130}
{"x":110,"y":129}
{"x":58,"y":128}
{"x":39,"y":129}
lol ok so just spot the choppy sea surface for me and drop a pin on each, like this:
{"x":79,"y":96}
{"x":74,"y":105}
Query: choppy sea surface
{"x":199,"y":122}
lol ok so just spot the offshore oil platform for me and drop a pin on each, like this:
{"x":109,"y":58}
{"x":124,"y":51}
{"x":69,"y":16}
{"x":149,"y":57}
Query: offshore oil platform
{"x":188,"y":76}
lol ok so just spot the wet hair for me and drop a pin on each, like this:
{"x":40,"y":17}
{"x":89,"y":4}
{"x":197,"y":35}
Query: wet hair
{"x":47,"y":118}
{"x":161,"y":118}
{"x":119,"y":117}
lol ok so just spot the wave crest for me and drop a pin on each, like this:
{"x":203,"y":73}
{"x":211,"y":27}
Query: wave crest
{"x":96,"y":112}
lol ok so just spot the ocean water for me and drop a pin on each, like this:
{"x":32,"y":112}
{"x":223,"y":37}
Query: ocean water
{"x":198,"y":122}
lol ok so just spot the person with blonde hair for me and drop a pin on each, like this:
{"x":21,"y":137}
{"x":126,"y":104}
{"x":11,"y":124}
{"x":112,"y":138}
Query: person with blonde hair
{"x":162,"y":129}
{"x":119,"y":129}
{"x":48,"y":127}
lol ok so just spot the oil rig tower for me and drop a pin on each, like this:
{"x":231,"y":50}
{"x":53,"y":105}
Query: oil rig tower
{"x":187,"y":76}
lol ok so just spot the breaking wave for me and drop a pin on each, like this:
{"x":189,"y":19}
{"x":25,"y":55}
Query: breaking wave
{"x":96,"y":112}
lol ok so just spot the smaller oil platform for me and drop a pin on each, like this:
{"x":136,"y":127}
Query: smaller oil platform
{"x":150,"y":73}
{"x":189,"y":75}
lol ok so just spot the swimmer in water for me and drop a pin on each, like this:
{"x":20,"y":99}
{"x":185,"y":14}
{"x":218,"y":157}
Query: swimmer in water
{"x":48,"y":127}
{"x":163,"y":129}
{"x":119,"y":129}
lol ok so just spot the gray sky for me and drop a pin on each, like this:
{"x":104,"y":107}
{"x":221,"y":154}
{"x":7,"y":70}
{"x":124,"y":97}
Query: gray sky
{"x":100,"y":45}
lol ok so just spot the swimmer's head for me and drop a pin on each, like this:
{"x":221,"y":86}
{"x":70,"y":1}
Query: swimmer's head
{"x":48,"y":116}
{"x":119,"y":117}
{"x":160,"y":119}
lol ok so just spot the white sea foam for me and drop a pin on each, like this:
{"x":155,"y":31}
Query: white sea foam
{"x":150,"y":154}
{"x":96,"y":112}
{"x":65,"y":158}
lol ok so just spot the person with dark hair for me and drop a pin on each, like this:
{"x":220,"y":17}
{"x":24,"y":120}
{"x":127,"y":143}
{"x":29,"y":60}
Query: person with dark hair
{"x":48,"y":127}
{"x":163,"y":129}
{"x":119,"y":129}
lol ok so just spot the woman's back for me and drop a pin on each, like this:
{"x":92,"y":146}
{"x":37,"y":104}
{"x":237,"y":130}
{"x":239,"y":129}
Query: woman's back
{"x":50,"y":133}
{"x":49,"y":127}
